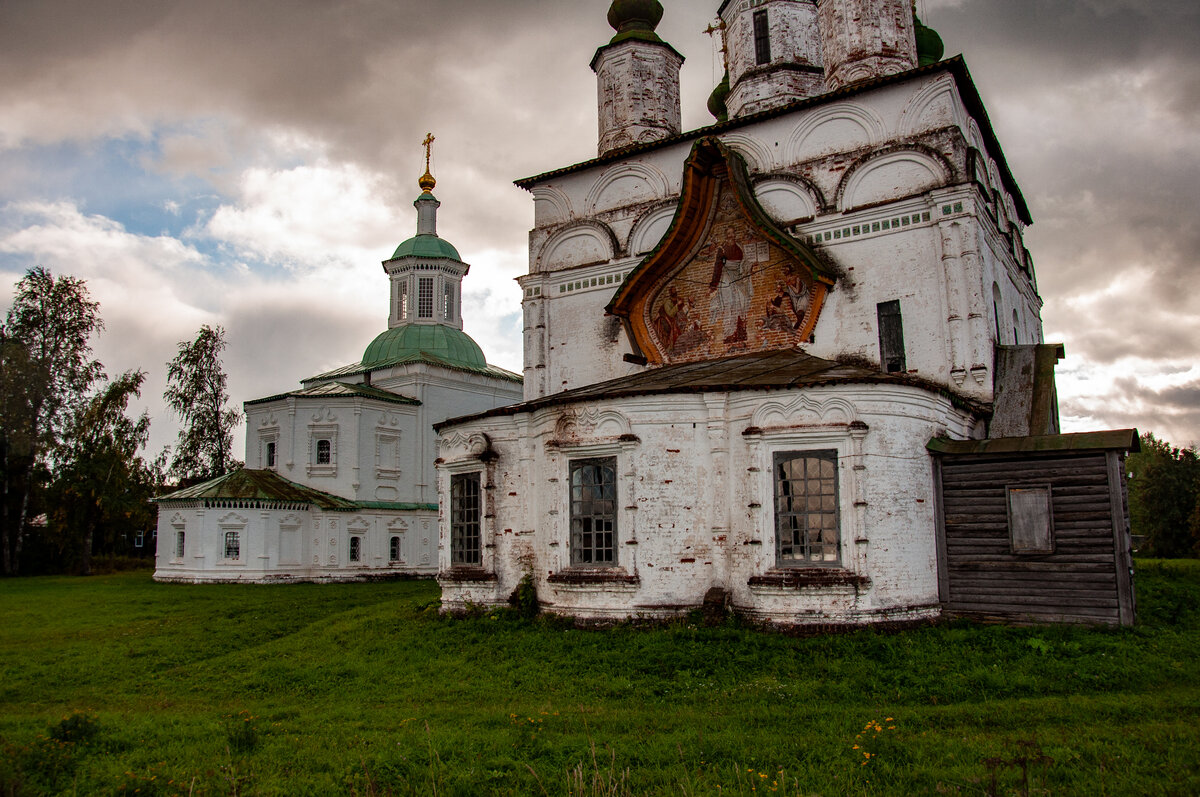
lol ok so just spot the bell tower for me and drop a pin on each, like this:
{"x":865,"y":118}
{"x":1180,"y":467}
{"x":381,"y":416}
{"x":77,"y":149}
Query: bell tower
{"x":638,"y":78}
{"x":865,"y":39}
{"x":774,"y":53}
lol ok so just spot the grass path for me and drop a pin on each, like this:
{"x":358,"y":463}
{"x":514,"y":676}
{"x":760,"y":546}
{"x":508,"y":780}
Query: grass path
{"x":118,"y":685}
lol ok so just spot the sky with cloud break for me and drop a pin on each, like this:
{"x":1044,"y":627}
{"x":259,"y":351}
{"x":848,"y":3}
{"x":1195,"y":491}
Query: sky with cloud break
{"x":250,"y":163}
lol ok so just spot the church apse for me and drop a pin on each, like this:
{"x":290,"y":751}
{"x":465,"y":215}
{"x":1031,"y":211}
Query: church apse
{"x":725,"y":279}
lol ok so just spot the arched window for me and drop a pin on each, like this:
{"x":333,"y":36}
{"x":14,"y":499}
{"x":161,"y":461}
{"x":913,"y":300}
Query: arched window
{"x":1016,"y":329}
{"x":996,"y":310}
{"x":324,"y":452}
{"x":394,"y":549}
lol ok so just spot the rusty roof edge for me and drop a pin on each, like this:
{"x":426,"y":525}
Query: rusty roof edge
{"x":1107,"y":440}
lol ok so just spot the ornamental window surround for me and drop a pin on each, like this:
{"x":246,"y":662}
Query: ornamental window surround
{"x":807,"y":520}
{"x":593,"y":512}
{"x":323,"y":450}
{"x":466,"y":520}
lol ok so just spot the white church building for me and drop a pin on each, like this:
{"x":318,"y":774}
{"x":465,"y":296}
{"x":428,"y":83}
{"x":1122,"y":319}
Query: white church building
{"x":790,"y":363}
{"x":339,"y":483}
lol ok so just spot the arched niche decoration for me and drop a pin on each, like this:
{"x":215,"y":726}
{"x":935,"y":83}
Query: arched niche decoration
{"x":787,"y":198}
{"x":590,"y":423}
{"x":804,"y":411}
{"x":891,"y":174}
{"x":551,"y":206}
{"x":838,"y":128}
{"x":758,"y":156}
{"x":650,"y":227}
{"x":626,"y":184}
{"x":725,"y":278}
{"x":933,"y":107}
{"x":579,"y":244}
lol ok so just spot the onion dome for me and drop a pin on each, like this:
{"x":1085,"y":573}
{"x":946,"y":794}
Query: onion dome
{"x":716,"y":100}
{"x":424,"y":342}
{"x":930,"y":48}
{"x":635,"y":19}
{"x":426,"y":182}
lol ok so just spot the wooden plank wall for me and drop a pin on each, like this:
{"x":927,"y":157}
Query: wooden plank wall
{"x":1079,"y":582}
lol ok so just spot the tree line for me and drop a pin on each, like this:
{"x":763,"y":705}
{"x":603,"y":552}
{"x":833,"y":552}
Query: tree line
{"x":1164,"y":498}
{"x":74,"y":481}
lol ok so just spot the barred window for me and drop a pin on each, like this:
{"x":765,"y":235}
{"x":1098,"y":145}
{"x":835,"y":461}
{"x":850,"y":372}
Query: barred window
{"x":425,"y":297}
{"x":324,"y":452}
{"x":356,"y":549}
{"x":448,"y":298}
{"x":806,"y":509}
{"x":270,"y":455}
{"x":179,"y":544}
{"x":233,"y":545}
{"x":466,"y":513}
{"x":394,"y":550}
{"x":594,"y":512}
{"x":403,"y":302}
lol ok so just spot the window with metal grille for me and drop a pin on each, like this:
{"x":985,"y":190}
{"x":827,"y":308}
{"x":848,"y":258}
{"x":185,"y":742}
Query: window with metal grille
{"x":594,"y":512}
{"x":356,"y":549}
{"x":762,"y":38}
{"x":891,"y":337}
{"x":448,"y":306}
{"x":394,"y":549}
{"x":806,"y":509}
{"x":270,"y":455}
{"x":425,"y":297}
{"x":403,"y":302}
{"x":324,"y":452}
{"x":466,"y":505}
{"x":233,"y":545}
{"x":179,"y":544}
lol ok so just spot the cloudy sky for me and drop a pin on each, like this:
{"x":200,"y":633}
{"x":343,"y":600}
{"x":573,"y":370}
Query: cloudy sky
{"x":249,"y":163}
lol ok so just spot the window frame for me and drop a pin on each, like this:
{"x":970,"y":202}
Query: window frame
{"x":394,"y":544}
{"x":355,"y":549}
{"x":762,"y":37}
{"x":466,"y":523}
{"x":891,"y":337}
{"x":1019,"y":518}
{"x":234,"y":535}
{"x":180,"y":543}
{"x":581,"y":556}
{"x":422,"y":300}
{"x":833,"y":456}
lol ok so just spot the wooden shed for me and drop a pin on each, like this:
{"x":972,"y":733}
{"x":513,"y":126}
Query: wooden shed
{"x":1035,"y":529}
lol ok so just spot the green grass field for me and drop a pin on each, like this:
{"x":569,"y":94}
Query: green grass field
{"x":117,"y":685}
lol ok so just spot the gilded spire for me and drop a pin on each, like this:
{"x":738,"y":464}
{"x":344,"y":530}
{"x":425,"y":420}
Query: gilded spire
{"x":427,"y":182}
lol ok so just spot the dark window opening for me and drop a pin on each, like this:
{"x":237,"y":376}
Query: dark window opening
{"x":762,"y":38}
{"x":324,"y":452}
{"x":891,"y":338}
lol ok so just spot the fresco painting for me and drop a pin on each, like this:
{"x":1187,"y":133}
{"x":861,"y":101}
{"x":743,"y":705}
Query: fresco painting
{"x":737,"y":292}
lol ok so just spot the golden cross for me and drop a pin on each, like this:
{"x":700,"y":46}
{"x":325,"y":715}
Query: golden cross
{"x":428,"y":142}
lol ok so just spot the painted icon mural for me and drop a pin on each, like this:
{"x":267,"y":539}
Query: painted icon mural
{"x":724,"y":280}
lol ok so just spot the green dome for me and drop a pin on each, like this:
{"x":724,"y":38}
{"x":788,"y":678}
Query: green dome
{"x":635,"y":19}
{"x":716,"y":100}
{"x":426,"y":246}
{"x":930,"y":48}
{"x":411,"y":341}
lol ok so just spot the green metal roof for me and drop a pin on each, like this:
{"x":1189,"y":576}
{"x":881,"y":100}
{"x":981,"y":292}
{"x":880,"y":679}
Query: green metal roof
{"x":427,"y":246}
{"x":339,"y":389}
{"x":445,"y":345}
{"x":265,"y":486}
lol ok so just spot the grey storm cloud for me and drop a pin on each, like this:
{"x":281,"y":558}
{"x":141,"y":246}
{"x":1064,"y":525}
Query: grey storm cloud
{"x":1096,"y":103}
